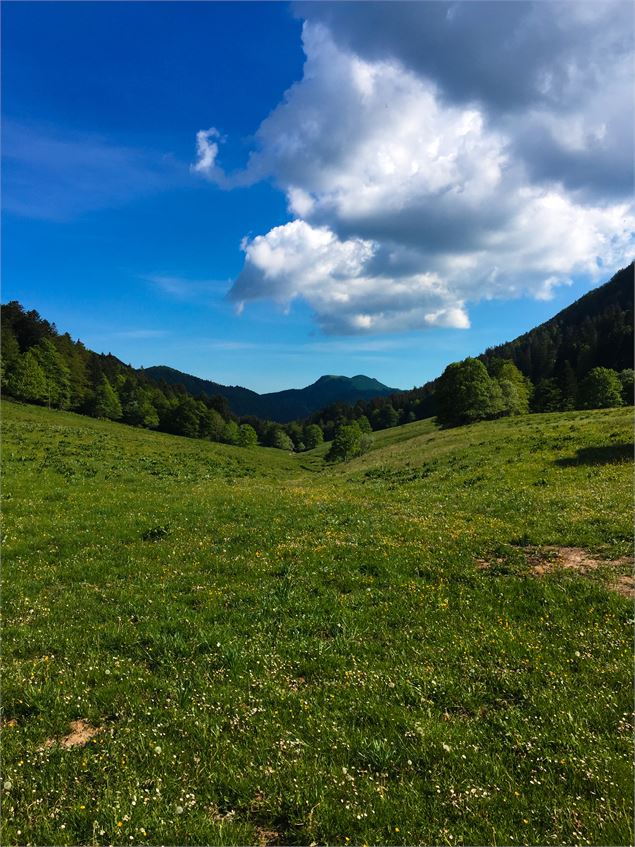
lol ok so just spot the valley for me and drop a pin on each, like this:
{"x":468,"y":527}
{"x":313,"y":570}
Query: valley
{"x":209,"y":644}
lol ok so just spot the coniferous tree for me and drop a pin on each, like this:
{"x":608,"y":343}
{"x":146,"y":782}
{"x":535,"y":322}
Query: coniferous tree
{"x":569,"y":387}
{"x":547,"y":396}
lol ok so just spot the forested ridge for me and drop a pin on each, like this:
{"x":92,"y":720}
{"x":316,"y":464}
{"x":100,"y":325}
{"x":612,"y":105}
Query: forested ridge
{"x":281,"y":406}
{"x":581,"y":358}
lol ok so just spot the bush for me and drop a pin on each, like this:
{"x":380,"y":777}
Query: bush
{"x":601,"y":389}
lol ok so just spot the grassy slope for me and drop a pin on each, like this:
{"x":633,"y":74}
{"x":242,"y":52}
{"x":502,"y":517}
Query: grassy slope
{"x":277,"y":651}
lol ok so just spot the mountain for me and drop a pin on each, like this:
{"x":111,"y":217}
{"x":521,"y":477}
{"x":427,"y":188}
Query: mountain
{"x":281,"y":406}
{"x":594,"y":331}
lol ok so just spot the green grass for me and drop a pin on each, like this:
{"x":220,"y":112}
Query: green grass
{"x":279,"y":651}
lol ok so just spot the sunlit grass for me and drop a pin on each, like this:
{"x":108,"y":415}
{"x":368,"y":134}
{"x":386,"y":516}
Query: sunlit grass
{"x":275,"y":650}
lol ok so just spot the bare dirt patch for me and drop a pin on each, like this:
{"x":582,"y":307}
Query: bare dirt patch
{"x":582,"y":562}
{"x":544,"y":560}
{"x":80,"y":734}
{"x":267,"y":837}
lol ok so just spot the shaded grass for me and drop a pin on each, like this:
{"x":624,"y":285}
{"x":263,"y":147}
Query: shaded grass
{"x":279,"y":651}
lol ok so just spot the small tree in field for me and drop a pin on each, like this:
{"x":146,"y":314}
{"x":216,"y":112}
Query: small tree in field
{"x":281,"y":440}
{"x":248,"y":436}
{"x":231,"y":434}
{"x":347,"y":443}
{"x":466,"y":393}
{"x":313,"y":436}
{"x":601,"y":389}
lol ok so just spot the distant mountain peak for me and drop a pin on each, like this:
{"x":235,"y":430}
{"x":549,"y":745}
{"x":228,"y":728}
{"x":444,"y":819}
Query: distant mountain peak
{"x":281,"y":406}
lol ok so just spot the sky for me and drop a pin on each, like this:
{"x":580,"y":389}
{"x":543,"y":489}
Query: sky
{"x":262,"y":193}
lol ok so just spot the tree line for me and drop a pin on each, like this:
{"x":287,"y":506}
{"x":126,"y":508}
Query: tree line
{"x":41,"y":366}
{"x":582,"y":358}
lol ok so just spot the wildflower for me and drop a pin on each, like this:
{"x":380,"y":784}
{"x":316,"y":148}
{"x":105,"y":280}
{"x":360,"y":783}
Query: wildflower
{"x":179,"y":810}
{"x":8,"y":785}
{"x":119,"y":823}
{"x":157,"y":750}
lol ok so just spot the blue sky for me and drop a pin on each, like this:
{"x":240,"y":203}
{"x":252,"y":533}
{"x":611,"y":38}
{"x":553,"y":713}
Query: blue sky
{"x":356,"y":203}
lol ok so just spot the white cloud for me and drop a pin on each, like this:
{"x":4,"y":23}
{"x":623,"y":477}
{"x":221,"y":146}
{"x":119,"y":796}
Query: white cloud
{"x":206,"y":149}
{"x":334,"y":276}
{"x":407,"y":206}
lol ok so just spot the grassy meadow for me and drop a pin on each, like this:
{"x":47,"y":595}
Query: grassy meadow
{"x":277,"y":651}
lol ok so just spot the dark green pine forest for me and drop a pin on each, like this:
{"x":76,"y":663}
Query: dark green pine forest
{"x":581,"y":358}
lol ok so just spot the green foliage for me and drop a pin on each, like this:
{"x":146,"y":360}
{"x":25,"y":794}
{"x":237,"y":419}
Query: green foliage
{"x":231,"y":434}
{"x":596,"y":330}
{"x":10,"y":354}
{"x":364,"y":425}
{"x":466,"y":393}
{"x":568,"y":385}
{"x":313,"y":436}
{"x":601,"y":389}
{"x":212,"y":425}
{"x":105,"y":402}
{"x":627,"y":381}
{"x":27,"y":380}
{"x":56,"y":374}
{"x":248,"y":436}
{"x":137,"y":408}
{"x":385,"y":416}
{"x":281,"y":441}
{"x":349,"y":442}
{"x":515,"y":388}
{"x":547,"y":396}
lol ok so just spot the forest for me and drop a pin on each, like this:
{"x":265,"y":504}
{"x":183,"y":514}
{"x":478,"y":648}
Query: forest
{"x":581,"y":358}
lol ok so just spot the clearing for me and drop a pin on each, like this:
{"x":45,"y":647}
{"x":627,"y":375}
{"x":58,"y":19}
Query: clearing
{"x":278,"y":651}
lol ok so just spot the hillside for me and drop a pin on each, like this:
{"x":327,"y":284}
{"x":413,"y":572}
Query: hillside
{"x":281,"y":406}
{"x":425,"y":645}
{"x":596,"y":330}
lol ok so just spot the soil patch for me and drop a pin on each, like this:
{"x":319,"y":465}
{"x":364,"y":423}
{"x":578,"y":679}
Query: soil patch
{"x":80,"y":734}
{"x":544,"y":560}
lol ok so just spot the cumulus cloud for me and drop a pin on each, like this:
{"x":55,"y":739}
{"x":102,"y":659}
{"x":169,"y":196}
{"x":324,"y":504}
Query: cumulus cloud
{"x":411,"y":201}
{"x":333,"y":276}
{"x":543,"y":71}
